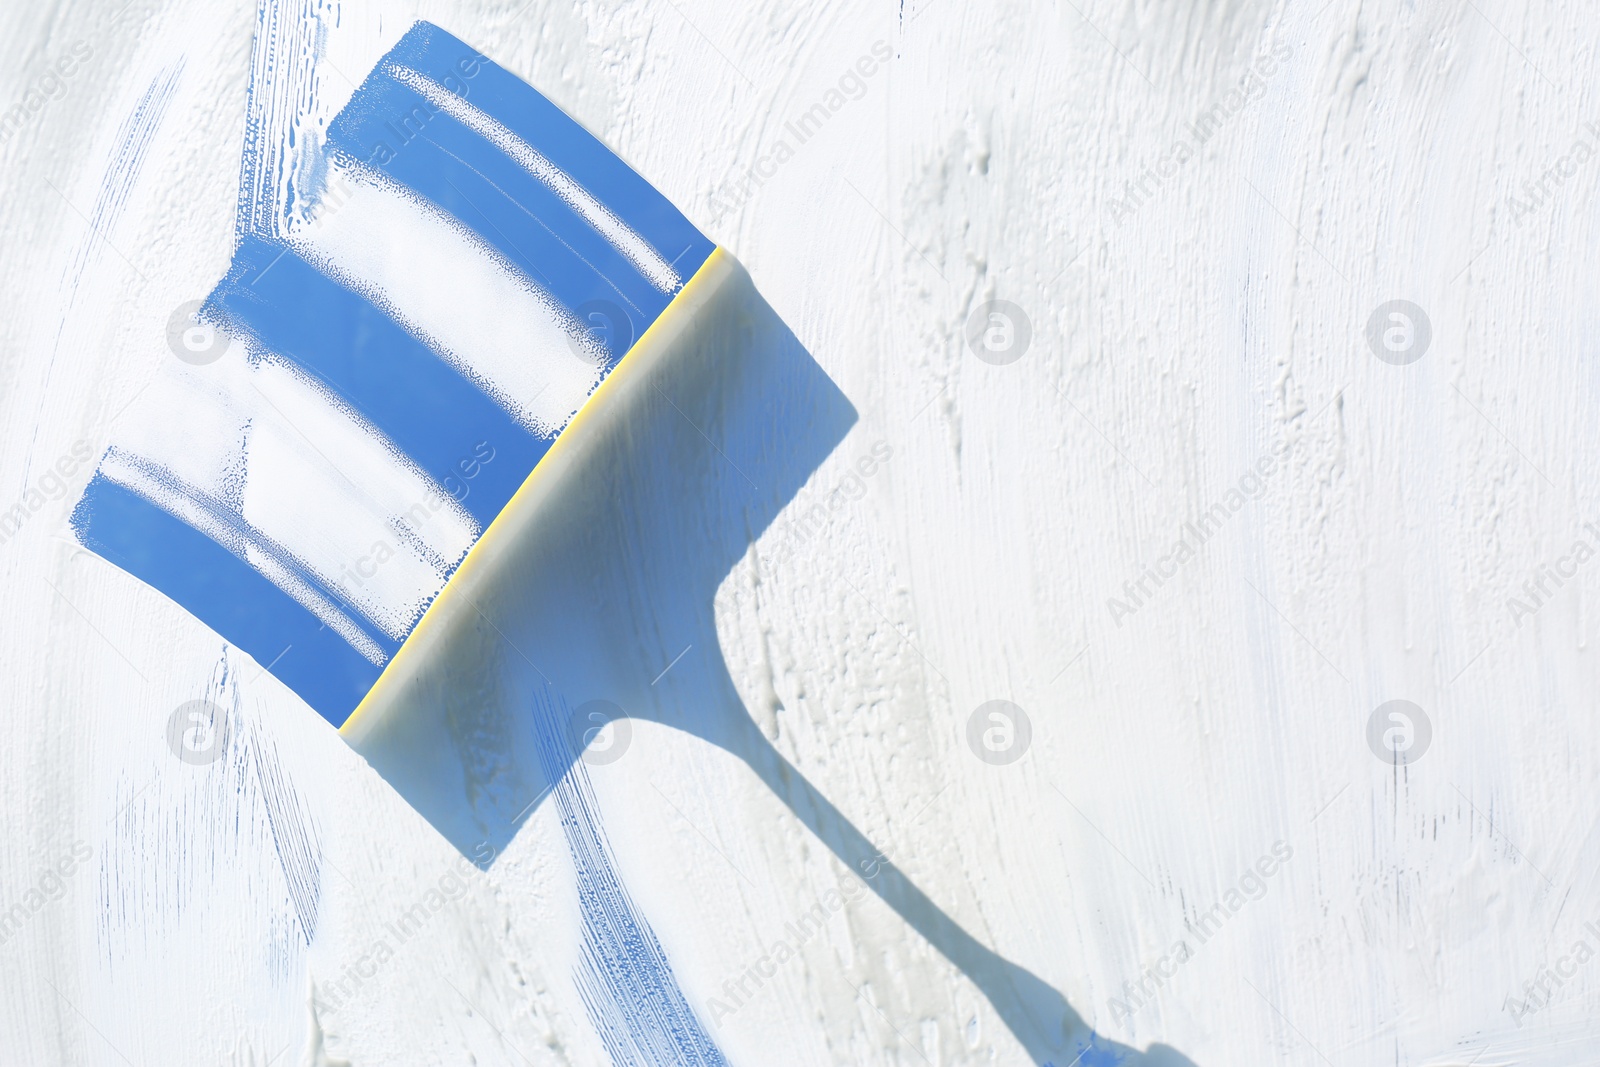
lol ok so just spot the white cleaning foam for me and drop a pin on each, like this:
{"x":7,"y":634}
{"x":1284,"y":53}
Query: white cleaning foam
{"x":327,"y":487}
{"x":304,"y":473}
{"x":459,"y":296}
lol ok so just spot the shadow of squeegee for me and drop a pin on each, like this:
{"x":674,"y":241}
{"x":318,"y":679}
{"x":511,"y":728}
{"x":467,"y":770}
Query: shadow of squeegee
{"x":601,"y":572}
{"x":387,"y":372}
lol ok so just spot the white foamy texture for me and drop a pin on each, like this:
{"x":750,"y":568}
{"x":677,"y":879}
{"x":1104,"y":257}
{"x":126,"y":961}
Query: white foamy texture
{"x":454,"y":293}
{"x":1187,"y":317}
{"x":634,"y":248}
{"x":308,"y":475}
{"x":368,"y":522}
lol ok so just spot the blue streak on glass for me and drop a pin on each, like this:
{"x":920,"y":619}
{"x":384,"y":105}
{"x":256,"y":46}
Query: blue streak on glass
{"x":626,"y":981}
{"x":487,"y":191}
{"x":418,"y":401}
{"x":426,"y":409}
{"x":560,"y":139}
{"x":226,"y":594}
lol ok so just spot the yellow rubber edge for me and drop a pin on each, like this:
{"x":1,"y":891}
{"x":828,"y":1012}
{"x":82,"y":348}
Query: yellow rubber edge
{"x":485,"y":544}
